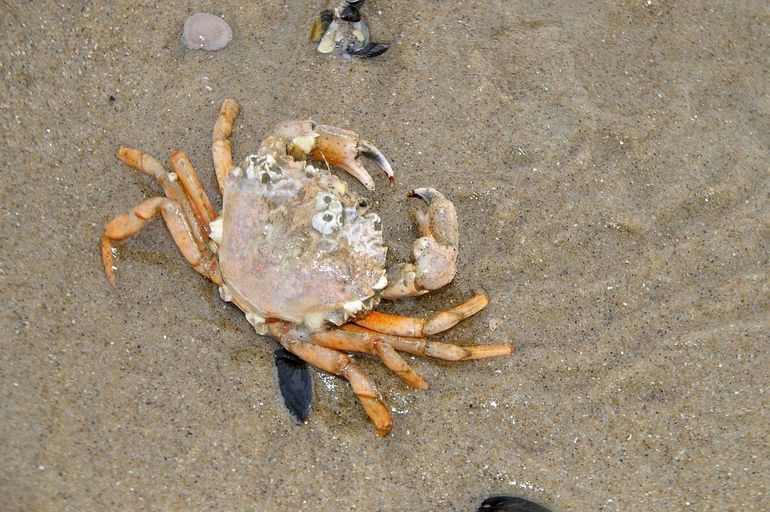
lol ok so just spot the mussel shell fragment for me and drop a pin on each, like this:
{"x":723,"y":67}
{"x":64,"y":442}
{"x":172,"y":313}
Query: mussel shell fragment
{"x":510,"y":504}
{"x":351,"y":14}
{"x":321,"y":25}
{"x":370,"y":50}
{"x":295,"y":383}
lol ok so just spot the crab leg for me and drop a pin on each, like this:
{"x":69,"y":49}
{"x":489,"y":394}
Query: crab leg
{"x":424,"y":347}
{"x":128,"y":224}
{"x":335,"y":146}
{"x":202,"y":208}
{"x":410,"y":326}
{"x":148,"y":164}
{"x":221,"y":148}
{"x":340,"y":364}
{"x":370,"y":344}
{"x":434,"y":253}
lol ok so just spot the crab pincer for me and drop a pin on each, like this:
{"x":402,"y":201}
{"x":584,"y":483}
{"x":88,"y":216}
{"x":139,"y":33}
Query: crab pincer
{"x":335,"y":146}
{"x":434,"y":253}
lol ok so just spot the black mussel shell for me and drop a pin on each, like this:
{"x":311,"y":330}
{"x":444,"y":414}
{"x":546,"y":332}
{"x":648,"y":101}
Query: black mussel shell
{"x":370,"y":50}
{"x":510,"y":504}
{"x":355,"y":3}
{"x":351,"y":14}
{"x":295,"y":382}
{"x":326,"y":16}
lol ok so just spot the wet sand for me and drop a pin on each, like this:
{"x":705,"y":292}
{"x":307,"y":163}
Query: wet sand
{"x":609,"y":163}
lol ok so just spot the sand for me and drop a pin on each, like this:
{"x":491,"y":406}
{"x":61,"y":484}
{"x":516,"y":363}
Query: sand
{"x":609,"y":163}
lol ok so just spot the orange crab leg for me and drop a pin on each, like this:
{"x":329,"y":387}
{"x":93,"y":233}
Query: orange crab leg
{"x":148,"y":164}
{"x":221,"y":148}
{"x":202,"y":208}
{"x":340,"y":364}
{"x":370,"y":344}
{"x":436,"y":349}
{"x":409,"y":326}
{"x":128,"y":224}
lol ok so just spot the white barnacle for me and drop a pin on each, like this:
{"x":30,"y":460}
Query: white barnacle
{"x":237,"y":172}
{"x":323,"y":200}
{"x":382,"y":283}
{"x":225,"y":293}
{"x":257,"y":322}
{"x":251,"y":172}
{"x":352,"y":307}
{"x":325,"y":222}
{"x":304,"y":143}
{"x":216,"y":230}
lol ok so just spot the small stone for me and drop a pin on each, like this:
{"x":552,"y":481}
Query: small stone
{"x":203,"y":31}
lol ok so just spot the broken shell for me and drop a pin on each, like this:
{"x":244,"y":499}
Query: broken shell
{"x":321,"y":25}
{"x":370,"y":50}
{"x":350,"y":13}
{"x":295,"y":383}
{"x":204,"y":31}
{"x":510,"y":504}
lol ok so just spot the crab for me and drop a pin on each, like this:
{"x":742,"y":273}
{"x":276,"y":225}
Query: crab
{"x":301,"y":254}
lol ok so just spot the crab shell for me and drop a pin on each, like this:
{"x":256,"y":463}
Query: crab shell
{"x":295,"y":245}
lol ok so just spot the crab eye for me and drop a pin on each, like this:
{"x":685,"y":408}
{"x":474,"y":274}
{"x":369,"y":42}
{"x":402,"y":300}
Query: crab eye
{"x":325,"y":222}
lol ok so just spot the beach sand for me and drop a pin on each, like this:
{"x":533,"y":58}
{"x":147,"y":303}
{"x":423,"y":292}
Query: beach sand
{"x":609,"y":163}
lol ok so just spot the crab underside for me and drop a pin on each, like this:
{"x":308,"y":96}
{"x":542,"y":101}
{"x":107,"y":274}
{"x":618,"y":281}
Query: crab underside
{"x":302,"y":256}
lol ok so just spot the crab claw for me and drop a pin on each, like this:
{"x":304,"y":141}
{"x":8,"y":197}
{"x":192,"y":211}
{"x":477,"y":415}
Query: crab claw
{"x":335,"y":146}
{"x":434,"y":253}
{"x":342,"y":148}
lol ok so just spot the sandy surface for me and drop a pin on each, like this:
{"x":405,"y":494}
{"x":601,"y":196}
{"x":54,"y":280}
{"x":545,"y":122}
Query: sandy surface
{"x":609,"y":162}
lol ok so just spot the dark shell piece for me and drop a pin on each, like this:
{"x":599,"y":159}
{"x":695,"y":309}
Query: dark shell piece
{"x":370,"y":50}
{"x":510,"y":504}
{"x":295,"y":382}
{"x":355,"y":3}
{"x":326,"y":17}
{"x":351,"y":14}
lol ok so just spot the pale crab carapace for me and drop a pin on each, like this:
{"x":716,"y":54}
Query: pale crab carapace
{"x":302,"y":256}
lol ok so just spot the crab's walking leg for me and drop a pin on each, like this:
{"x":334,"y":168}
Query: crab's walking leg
{"x":370,"y":343}
{"x":203,"y":210}
{"x":126,"y":225}
{"x":336,"y":146}
{"x":410,"y":326}
{"x":336,"y":363}
{"x":434,"y":253}
{"x":221,"y":149}
{"x":148,"y":164}
{"x":424,"y":347}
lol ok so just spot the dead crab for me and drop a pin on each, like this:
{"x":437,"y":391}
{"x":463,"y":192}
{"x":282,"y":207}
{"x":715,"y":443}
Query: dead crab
{"x":300,"y":255}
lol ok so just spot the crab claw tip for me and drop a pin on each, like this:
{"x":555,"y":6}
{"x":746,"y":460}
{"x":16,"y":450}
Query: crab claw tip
{"x":369,"y":150}
{"x":423,"y":193}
